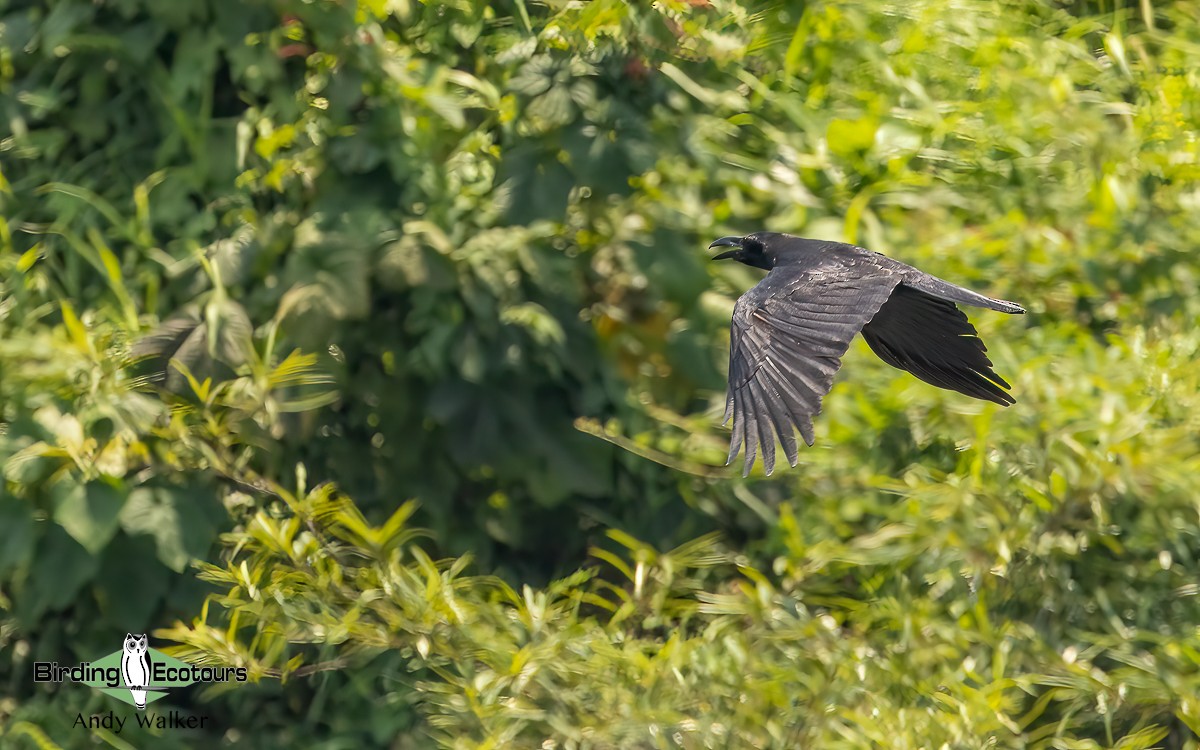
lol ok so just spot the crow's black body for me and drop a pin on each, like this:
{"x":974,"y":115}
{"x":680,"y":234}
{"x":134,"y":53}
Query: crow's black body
{"x":790,"y":331}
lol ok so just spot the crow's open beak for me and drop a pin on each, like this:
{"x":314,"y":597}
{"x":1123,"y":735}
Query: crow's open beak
{"x":734,"y":242}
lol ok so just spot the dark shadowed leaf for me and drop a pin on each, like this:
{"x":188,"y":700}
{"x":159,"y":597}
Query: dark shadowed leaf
{"x":18,"y":532}
{"x":57,"y":583}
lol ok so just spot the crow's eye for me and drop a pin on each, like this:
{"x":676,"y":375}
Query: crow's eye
{"x":752,"y":246}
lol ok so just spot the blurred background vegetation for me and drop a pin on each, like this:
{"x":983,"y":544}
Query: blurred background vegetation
{"x":372,"y":346}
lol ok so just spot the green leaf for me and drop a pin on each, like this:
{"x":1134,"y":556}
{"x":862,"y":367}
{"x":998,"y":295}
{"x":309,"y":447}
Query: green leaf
{"x":88,"y":512}
{"x":35,"y":463}
{"x":850,"y":137}
{"x":18,"y":533}
{"x":553,"y":108}
{"x":408,"y":263}
{"x":75,"y":328}
{"x":129,"y":587}
{"x":182,"y":522}
{"x":230,"y":333}
{"x":55,"y":584}
{"x":705,"y":96}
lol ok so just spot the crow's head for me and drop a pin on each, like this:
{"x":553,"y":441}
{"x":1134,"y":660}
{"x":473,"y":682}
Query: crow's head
{"x":751,"y":250}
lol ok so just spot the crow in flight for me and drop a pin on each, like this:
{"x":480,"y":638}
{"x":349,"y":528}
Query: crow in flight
{"x":790,"y":331}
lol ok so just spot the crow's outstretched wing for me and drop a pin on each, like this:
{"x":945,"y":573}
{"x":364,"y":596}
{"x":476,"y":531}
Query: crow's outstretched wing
{"x":932,"y":339}
{"x":786,"y":342}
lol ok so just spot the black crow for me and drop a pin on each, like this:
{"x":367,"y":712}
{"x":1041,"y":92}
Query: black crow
{"x":790,"y":331}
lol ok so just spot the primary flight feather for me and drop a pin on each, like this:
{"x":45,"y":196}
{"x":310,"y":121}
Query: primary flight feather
{"x":790,"y":331}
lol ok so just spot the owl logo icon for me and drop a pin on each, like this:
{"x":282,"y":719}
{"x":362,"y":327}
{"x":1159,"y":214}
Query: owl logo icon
{"x":135,"y":667}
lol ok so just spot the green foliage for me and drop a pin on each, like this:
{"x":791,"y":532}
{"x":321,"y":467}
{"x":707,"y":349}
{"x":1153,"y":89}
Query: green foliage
{"x":452,"y":252}
{"x":686,"y":649}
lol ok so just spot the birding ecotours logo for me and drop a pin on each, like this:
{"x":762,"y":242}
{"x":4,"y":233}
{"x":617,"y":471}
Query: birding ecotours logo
{"x":135,"y":673}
